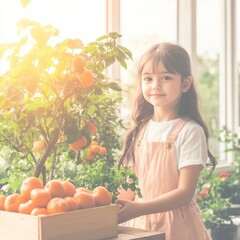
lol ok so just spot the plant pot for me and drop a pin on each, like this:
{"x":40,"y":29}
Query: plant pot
{"x":234,"y":210}
{"x":224,"y":232}
{"x":236,"y":200}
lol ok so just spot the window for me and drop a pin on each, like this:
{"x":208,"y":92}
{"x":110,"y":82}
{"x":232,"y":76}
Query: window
{"x":217,"y":67}
{"x":143,"y":23}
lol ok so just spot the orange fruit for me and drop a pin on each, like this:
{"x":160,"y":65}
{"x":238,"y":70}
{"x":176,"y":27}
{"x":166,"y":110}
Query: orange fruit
{"x":28,"y":185}
{"x":93,"y":143}
{"x":13,"y":201}
{"x":69,"y":188}
{"x":57,"y":205}
{"x":90,"y":155}
{"x":87,"y":79}
{"x":2,"y":200}
{"x":6,"y":103}
{"x":92,"y":127}
{"x":40,"y":197}
{"x":39,"y":211}
{"x":56,"y":188}
{"x":72,"y":203}
{"x":125,"y":194}
{"x":95,"y":148}
{"x":79,"y":144}
{"x":82,"y":189}
{"x":84,"y":199}
{"x":26,"y":207}
{"x":102,"y":196}
{"x":79,"y":64}
{"x":38,"y":145}
{"x":102,"y":151}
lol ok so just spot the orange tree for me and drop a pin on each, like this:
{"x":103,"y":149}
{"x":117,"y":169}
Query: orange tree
{"x":55,"y":98}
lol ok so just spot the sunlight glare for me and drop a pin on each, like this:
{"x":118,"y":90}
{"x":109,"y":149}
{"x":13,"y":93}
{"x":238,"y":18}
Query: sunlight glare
{"x":74,"y":18}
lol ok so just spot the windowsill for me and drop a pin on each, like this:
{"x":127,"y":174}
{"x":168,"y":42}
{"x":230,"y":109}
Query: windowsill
{"x":224,"y":167}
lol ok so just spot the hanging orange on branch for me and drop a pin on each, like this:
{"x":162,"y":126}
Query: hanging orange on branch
{"x":92,"y":127}
{"x":79,"y":64}
{"x":79,"y":144}
{"x":86,"y":79}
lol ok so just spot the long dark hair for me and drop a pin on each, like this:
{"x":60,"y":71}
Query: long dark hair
{"x":176,"y":60}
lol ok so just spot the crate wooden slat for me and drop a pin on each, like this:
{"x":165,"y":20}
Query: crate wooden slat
{"x":129,"y":233}
{"x":18,"y":226}
{"x":94,"y":223}
{"x":88,"y":224}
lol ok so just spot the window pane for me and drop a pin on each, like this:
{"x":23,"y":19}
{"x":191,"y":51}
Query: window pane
{"x":74,"y":18}
{"x":238,"y":54}
{"x":144,"y":23}
{"x":208,"y":46}
{"x":208,"y":52}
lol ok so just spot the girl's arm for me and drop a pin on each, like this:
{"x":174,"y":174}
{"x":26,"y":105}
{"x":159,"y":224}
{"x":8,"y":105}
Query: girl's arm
{"x":174,"y":199}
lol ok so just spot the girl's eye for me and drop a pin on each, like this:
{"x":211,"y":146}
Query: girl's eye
{"x":166,"y":78}
{"x":147,"y":79}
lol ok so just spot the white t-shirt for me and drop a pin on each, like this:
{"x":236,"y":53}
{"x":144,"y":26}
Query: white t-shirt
{"x":191,"y":146}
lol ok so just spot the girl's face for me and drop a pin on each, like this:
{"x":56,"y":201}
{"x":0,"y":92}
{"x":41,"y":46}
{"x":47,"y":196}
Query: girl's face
{"x":162,"y":88}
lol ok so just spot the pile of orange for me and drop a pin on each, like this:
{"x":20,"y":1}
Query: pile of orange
{"x":55,"y":197}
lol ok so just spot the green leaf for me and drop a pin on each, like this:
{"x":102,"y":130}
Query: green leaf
{"x":72,"y":133}
{"x":126,"y":51}
{"x":98,"y":90}
{"x":114,"y":35}
{"x":109,"y":60}
{"x":24,"y":3}
{"x":25,"y":23}
{"x":122,"y":62}
{"x":91,"y":109}
{"x":39,"y":35}
{"x":102,"y":38}
{"x":113,"y":86}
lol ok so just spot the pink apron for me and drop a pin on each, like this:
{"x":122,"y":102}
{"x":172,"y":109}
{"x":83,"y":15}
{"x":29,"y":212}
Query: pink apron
{"x":156,"y":168}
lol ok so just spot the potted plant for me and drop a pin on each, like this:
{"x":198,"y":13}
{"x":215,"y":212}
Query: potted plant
{"x":230,"y":180}
{"x":55,"y":101}
{"x":214,"y":207}
{"x":218,"y":193}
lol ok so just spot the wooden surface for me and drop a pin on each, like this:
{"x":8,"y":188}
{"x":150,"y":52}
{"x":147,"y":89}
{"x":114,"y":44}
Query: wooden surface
{"x":127,"y":233}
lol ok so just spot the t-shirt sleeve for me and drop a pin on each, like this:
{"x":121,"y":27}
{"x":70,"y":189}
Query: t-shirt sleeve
{"x":193,"y":150}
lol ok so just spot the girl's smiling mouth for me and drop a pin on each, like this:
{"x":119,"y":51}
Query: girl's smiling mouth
{"x":157,"y":95}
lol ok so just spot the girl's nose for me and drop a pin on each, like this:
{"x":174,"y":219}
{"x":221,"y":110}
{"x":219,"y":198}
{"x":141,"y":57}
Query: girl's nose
{"x":156,"y":85}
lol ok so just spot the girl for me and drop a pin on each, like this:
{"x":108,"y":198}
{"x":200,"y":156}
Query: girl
{"x":167,"y":147}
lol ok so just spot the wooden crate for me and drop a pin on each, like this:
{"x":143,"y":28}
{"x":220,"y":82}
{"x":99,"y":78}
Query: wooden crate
{"x":88,"y":224}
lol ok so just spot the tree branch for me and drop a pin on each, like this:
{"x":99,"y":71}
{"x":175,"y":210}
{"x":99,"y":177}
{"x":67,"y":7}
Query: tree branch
{"x":47,"y":152}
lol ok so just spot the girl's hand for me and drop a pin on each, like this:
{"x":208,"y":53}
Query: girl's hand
{"x":128,"y":210}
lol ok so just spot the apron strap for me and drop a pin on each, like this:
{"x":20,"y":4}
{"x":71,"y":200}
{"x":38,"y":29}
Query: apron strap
{"x":174,"y":133}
